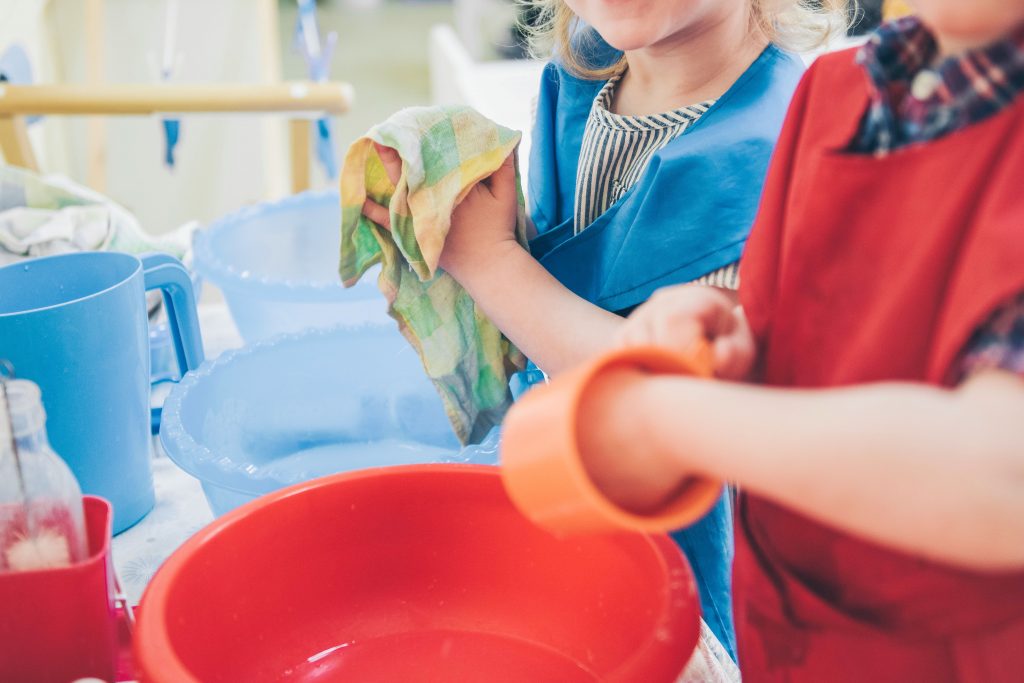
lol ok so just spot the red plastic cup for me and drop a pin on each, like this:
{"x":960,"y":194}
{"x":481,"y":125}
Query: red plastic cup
{"x":58,"y":625}
{"x":542,"y":467}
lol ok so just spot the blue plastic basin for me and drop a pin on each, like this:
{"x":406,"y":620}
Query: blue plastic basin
{"x":303,"y":406}
{"x":277,"y":265}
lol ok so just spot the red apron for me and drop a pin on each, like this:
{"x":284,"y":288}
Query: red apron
{"x":862,"y":269}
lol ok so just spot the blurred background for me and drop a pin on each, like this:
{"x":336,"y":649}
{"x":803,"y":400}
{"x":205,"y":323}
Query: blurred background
{"x":394,"y":53}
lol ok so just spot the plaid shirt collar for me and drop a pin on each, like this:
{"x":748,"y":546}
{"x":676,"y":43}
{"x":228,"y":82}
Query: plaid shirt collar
{"x":915,"y":98}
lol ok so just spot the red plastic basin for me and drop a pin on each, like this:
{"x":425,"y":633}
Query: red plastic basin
{"x":419,"y":574}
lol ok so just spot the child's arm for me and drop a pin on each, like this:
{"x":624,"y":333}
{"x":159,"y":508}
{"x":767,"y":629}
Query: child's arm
{"x":928,"y":471}
{"x":550,"y":324}
{"x":554,"y":327}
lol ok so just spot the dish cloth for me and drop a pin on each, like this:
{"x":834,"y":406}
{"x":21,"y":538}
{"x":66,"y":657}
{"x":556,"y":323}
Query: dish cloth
{"x":445,"y":151}
{"x":27,"y":233}
{"x":42,"y":216}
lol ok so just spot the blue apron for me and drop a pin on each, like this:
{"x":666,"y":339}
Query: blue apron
{"x":690,"y":212}
{"x":687,"y":216}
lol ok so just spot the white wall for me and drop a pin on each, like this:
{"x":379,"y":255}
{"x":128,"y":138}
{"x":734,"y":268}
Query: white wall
{"x":224,"y":161}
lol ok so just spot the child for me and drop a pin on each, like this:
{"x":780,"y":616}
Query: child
{"x":880,"y":529}
{"x":654,"y":128}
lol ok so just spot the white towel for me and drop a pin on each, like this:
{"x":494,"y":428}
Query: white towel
{"x":26,"y":232}
{"x":41,"y":216}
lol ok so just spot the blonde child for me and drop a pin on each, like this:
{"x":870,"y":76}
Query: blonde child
{"x":655,"y":123}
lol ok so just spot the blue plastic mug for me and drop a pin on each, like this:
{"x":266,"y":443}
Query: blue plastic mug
{"x":76,"y":324}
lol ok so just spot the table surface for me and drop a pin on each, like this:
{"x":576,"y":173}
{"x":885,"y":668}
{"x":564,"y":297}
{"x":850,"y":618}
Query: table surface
{"x":181,"y":509}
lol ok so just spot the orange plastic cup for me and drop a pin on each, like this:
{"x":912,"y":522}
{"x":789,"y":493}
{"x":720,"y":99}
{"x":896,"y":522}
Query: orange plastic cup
{"x":542,"y":467}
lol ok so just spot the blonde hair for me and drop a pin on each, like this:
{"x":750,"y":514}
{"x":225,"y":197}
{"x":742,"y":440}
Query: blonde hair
{"x":795,"y":25}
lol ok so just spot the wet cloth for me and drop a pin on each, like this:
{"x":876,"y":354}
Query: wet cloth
{"x":445,"y":151}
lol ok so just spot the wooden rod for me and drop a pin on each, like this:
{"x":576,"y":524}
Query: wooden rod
{"x":300,"y":141}
{"x":14,"y":143}
{"x":128,"y":100}
{"x":95,"y":74}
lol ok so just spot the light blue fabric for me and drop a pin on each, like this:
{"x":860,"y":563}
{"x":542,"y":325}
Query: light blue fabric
{"x":708,"y":546}
{"x":687,"y":216}
{"x":318,"y":54}
{"x":172,"y":130}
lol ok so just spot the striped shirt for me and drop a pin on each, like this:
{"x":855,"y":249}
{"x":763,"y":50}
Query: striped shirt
{"x":616,"y":151}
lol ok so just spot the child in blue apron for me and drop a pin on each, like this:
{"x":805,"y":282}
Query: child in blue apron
{"x":655,"y":123}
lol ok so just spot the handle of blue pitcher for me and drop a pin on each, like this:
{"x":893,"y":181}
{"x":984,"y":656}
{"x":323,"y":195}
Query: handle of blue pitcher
{"x":166,"y":273}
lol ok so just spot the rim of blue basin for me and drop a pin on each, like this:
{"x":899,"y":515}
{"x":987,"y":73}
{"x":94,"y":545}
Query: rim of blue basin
{"x":173,"y":431}
{"x":228,"y":276}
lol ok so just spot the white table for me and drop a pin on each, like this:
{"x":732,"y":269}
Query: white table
{"x":181,"y":509}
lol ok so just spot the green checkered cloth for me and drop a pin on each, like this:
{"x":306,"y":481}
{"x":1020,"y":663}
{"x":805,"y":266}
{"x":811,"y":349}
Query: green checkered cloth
{"x":445,"y":151}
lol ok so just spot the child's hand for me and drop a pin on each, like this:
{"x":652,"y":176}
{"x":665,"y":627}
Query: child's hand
{"x":676,"y":317}
{"x":393,"y":167}
{"x":482,"y":224}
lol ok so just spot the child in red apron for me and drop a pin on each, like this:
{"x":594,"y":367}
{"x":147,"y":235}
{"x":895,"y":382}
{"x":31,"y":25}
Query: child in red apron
{"x":880,"y":529}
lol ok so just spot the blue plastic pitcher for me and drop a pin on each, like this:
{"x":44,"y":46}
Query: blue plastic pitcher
{"x":76,"y":324}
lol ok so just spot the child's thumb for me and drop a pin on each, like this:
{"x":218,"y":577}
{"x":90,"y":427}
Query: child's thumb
{"x":503,"y":181}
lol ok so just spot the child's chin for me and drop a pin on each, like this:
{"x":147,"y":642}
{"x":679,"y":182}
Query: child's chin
{"x":967,"y":21}
{"x":627,"y":40}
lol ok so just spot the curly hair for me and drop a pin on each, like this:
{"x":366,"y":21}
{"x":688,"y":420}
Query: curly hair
{"x":796,"y":25}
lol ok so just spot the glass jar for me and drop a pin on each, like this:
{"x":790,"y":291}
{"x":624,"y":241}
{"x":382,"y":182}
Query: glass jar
{"x":42,"y":523}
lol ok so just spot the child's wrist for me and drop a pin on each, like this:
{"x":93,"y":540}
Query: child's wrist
{"x":480,"y":268}
{"x":664,"y":407}
{"x":610,"y":426}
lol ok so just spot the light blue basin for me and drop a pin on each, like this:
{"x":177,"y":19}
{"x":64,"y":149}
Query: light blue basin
{"x":277,"y":265}
{"x":303,"y":406}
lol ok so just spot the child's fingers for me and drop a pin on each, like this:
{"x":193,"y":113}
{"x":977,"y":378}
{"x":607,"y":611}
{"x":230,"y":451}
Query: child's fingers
{"x":377,"y":213}
{"x":392,"y":162}
{"x":733,"y":356}
{"x":726,"y":359}
{"x":473,"y":194}
{"x":716,"y":316}
{"x":646,"y":325}
{"x":502,"y":182}
{"x":676,"y":331}
{"x":678,"y":317}
{"x":634,"y":333}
